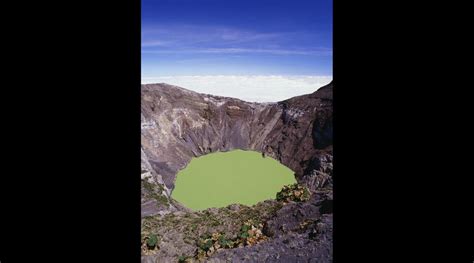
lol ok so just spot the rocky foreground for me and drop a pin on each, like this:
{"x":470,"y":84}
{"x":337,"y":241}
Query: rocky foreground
{"x":178,"y":124}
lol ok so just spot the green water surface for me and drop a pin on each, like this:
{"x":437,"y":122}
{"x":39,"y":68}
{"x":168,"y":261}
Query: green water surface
{"x":223,"y":178}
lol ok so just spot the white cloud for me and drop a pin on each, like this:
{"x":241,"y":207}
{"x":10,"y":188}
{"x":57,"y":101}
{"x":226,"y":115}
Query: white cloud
{"x":248,"y":88}
{"x":321,"y":52}
{"x":155,"y":43}
{"x":180,"y":39}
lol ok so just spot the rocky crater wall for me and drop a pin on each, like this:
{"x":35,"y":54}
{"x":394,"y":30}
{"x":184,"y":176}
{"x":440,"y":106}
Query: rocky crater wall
{"x":179,"y":124}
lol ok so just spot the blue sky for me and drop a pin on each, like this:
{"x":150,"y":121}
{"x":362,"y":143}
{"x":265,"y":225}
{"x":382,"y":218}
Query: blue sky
{"x":236,"y":37}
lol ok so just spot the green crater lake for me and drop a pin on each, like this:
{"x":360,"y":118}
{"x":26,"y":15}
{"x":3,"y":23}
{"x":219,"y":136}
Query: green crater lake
{"x":223,"y":178}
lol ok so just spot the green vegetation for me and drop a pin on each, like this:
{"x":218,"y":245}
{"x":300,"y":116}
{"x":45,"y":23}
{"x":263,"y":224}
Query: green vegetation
{"x":294,"y":192}
{"x":220,"y":179}
{"x":149,"y":243}
{"x":250,"y":234}
{"x":152,"y":241}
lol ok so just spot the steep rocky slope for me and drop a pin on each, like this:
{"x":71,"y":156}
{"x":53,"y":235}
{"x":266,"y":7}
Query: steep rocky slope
{"x":178,"y":124}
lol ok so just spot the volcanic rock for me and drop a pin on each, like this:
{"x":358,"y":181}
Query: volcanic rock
{"x":179,"y":124}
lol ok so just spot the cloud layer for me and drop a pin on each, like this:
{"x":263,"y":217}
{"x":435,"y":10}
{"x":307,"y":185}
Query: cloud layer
{"x":174,"y":39}
{"x":248,"y":88}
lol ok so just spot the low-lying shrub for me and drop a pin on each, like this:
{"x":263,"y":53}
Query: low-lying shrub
{"x":294,"y":192}
{"x":150,"y":244}
{"x":250,"y":234}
